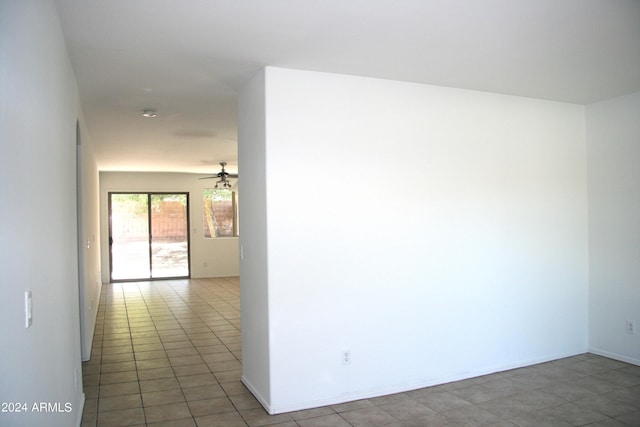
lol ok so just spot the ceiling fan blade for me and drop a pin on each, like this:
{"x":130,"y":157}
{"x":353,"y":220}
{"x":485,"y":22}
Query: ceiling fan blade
{"x":223,"y":175}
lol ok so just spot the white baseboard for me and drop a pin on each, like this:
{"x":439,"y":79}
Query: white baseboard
{"x":81,"y":411}
{"x":86,"y":348}
{"x":399,"y":388}
{"x":257,"y":395}
{"x":615,"y":356}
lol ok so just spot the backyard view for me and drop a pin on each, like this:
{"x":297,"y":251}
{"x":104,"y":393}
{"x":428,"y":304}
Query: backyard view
{"x":219,"y":212}
{"x":148,"y":236}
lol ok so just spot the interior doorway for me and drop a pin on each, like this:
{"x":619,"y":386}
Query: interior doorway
{"x":148,"y":236}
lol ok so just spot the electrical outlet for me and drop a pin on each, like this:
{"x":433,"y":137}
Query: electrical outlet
{"x":630,"y":327}
{"x":346,"y":357}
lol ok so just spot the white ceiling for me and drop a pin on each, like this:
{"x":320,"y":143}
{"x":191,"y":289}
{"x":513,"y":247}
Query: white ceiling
{"x":187,"y":59}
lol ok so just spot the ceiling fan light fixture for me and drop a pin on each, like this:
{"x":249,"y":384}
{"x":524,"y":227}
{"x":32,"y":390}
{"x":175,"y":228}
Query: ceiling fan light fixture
{"x":224,"y":183}
{"x":150,"y":113}
{"x":222,"y":178}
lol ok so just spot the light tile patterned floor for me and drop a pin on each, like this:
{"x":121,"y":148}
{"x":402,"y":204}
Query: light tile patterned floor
{"x":168,"y":353}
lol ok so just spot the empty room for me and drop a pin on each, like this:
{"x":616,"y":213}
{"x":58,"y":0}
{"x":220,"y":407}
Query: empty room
{"x":320,"y":213}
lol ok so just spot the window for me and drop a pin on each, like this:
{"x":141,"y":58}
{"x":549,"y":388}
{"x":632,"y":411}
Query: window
{"x":220,"y":213}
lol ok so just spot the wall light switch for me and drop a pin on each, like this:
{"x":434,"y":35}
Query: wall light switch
{"x":28,"y":320}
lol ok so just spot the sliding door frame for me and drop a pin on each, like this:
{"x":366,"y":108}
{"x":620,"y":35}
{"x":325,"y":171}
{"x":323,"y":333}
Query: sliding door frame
{"x":149,"y":194}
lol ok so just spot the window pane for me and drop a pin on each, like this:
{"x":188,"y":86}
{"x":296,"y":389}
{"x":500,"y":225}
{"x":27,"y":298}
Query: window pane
{"x":218,"y":212}
{"x":130,"y":237}
{"x":169,"y":241}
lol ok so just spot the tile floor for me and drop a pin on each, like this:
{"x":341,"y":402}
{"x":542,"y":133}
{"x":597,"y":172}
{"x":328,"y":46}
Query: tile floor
{"x":168,"y":354}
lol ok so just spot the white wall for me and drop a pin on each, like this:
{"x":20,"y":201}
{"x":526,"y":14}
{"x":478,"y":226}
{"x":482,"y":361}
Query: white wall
{"x":254,"y":292}
{"x":613,"y":138}
{"x":88,"y":239}
{"x":38,"y":222}
{"x":454,"y":243}
{"x":220,"y":254}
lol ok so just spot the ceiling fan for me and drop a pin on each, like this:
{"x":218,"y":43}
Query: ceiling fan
{"x":223,"y":177}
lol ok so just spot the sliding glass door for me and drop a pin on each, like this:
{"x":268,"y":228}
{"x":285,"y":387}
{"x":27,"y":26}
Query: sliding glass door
{"x":169,"y":236}
{"x":148,"y":235}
